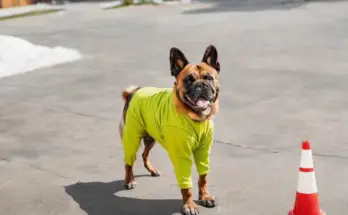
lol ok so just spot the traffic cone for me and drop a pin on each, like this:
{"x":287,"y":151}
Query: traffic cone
{"x":307,"y":199}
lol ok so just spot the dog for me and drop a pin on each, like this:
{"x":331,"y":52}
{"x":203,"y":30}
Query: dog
{"x":180,"y":119}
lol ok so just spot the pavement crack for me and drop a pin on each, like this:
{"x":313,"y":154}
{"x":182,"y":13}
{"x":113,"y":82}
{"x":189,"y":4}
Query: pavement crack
{"x":36,"y":168}
{"x":61,"y":111}
{"x":48,"y":171}
{"x":278,"y":151}
{"x":330,"y":155}
{"x":5,"y":159}
{"x":246,"y":147}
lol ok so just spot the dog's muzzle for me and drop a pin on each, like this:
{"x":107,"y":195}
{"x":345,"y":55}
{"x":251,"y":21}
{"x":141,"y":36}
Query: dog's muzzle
{"x":201,"y":96}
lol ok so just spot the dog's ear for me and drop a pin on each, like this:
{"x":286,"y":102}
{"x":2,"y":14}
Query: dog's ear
{"x":177,"y":61}
{"x":211,"y":57}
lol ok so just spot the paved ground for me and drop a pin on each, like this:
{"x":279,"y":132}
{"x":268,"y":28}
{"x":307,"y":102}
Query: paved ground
{"x":283,"y":80}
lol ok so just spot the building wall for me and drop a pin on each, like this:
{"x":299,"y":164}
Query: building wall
{"x":14,"y":3}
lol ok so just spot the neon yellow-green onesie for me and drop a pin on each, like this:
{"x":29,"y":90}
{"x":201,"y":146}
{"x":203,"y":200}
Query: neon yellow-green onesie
{"x":152,"y":110}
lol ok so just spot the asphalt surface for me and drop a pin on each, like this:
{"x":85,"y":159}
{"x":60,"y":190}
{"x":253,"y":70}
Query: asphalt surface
{"x":283,"y":80}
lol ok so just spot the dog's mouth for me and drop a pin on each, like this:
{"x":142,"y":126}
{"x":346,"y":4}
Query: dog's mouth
{"x":199,"y":104}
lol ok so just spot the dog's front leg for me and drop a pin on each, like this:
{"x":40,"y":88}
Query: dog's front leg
{"x":182,"y":165}
{"x":202,"y":161}
{"x":204,"y":196}
{"x":179,"y":146}
{"x":190,"y":207}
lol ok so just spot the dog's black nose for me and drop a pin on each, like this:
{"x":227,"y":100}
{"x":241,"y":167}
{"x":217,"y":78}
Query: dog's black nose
{"x":199,"y":89}
{"x":202,"y":85}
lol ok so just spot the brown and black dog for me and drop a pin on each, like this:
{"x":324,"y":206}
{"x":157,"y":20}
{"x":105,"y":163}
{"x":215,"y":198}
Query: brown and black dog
{"x":178,"y":118}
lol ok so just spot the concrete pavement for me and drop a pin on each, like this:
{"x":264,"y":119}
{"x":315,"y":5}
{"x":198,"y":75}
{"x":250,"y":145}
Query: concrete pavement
{"x":283,"y":80}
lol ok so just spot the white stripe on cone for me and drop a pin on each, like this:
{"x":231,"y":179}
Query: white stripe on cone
{"x":307,"y":183}
{"x":306,"y":159}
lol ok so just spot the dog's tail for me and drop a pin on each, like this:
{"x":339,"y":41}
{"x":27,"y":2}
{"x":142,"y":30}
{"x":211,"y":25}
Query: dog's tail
{"x":130,"y":90}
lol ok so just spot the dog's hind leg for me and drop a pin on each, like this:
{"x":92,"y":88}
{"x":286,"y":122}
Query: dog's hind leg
{"x":149,"y":142}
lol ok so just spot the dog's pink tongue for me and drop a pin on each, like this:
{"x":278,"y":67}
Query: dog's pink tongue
{"x":202,"y":103}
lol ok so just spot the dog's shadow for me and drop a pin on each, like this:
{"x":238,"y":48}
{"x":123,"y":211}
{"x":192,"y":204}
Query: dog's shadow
{"x":99,"y":198}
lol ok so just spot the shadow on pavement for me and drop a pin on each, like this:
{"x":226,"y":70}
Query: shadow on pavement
{"x":239,"y":6}
{"x":251,"y":5}
{"x":99,"y":198}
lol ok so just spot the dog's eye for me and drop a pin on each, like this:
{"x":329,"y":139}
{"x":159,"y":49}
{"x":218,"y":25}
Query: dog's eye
{"x":208,"y":77}
{"x":189,"y":79}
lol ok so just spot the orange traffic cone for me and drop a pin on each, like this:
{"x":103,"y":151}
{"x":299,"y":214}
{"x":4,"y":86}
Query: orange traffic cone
{"x":307,"y":199}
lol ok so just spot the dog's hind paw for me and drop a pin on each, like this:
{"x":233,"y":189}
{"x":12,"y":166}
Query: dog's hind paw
{"x":130,"y":186}
{"x":155,"y":173}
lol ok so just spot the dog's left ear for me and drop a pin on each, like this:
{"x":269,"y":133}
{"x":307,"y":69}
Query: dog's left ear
{"x":177,"y":61}
{"x":211,"y":57}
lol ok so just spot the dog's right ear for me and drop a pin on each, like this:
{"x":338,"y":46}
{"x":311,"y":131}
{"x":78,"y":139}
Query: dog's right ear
{"x":177,"y":61}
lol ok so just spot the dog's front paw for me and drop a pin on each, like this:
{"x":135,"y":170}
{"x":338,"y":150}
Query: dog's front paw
{"x":131,"y":185}
{"x":207,"y":201}
{"x":190,"y":208}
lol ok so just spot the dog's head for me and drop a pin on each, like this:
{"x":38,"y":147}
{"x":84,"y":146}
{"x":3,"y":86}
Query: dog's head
{"x":197,"y":85}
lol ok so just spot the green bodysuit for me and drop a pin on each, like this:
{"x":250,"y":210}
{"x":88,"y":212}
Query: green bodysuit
{"x":152,"y":110}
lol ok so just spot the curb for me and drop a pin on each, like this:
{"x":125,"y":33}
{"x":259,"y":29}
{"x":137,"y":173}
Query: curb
{"x":111,"y":4}
{"x":14,"y":11}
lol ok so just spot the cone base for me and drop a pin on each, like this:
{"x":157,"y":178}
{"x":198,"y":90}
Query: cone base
{"x":320,"y":213}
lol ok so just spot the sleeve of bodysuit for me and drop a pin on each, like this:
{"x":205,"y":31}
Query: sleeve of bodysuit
{"x":201,"y":154}
{"x":179,"y":146}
